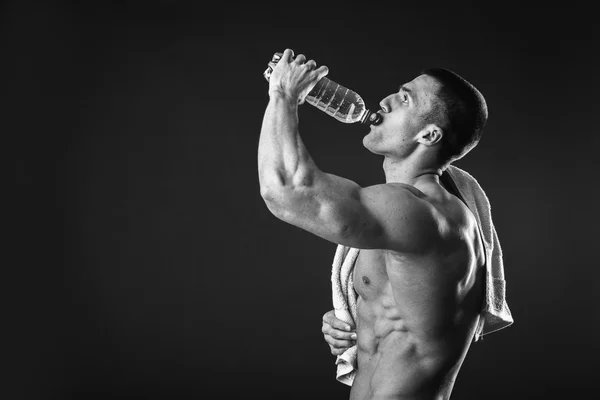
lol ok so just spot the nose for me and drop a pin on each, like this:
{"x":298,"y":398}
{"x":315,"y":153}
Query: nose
{"x":384,"y":104}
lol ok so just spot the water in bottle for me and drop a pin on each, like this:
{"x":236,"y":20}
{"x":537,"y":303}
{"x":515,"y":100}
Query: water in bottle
{"x":341,"y":103}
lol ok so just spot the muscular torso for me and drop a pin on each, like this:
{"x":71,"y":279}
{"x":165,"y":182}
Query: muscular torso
{"x":417,"y":312}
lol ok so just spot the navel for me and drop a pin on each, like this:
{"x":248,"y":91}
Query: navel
{"x":365,"y":280}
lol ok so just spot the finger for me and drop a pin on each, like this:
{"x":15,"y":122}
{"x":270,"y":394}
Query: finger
{"x":288,"y":55}
{"x":342,"y":335}
{"x":330,"y":318}
{"x":338,"y":343}
{"x":337,"y":333}
{"x":300,"y":58}
{"x":311,"y":64}
{"x":321,"y":71}
{"x":328,"y":314}
{"x":336,"y":352}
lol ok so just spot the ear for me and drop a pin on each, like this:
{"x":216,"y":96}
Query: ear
{"x":430,"y":135}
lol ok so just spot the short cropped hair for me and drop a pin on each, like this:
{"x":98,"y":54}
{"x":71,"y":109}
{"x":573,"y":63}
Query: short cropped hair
{"x":461,"y":112}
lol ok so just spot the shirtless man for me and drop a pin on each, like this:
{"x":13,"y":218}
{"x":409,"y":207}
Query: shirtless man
{"x":419,"y":273}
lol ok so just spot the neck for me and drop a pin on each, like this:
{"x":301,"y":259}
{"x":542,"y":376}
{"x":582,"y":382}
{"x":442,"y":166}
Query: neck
{"x":410,"y":172}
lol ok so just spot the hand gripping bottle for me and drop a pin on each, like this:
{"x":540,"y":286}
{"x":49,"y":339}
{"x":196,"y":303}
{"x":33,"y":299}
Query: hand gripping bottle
{"x":341,"y":103}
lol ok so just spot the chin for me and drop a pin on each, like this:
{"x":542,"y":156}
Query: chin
{"x":369,"y":140}
{"x":369,"y":146}
{"x":365,"y":142}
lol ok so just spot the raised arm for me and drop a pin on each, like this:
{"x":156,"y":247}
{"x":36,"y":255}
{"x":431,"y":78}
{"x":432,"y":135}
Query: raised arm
{"x":296,"y":191}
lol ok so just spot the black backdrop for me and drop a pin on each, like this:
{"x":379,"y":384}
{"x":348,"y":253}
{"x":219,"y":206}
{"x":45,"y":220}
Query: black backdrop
{"x":144,"y":263}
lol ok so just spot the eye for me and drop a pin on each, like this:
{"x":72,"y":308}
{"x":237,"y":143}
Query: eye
{"x":405,"y":98}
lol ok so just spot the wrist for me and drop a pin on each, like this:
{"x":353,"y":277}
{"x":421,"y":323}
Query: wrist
{"x":280,"y":95}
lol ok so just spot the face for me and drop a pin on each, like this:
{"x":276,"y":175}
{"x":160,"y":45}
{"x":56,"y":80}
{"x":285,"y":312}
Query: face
{"x":403,"y":115}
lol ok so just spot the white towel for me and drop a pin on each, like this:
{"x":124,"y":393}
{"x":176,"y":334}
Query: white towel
{"x":344,"y":305}
{"x":495,"y":312}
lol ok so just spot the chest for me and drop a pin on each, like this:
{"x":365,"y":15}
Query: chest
{"x":370,"y":274}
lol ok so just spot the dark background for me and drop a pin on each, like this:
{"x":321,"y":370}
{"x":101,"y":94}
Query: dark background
{"x":144,"y":263}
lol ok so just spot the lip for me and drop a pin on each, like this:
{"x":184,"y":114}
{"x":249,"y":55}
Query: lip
{"x":380,"y":122}
{"x":379,"y":119}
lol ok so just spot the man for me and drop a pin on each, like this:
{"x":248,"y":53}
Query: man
{"x":420,"y":272}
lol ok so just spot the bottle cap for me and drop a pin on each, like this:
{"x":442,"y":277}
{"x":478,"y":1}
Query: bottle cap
{"x":276,"y":57}
{"x":373,"y":118}
{"x":274,"y":60}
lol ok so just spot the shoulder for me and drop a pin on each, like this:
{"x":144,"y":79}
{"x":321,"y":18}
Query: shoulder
{"x":409,"y":219}
{"x":429,"y":221}
{"x":397,"y":199}
{"x":439,"y":214}
{"x":394,"y":190}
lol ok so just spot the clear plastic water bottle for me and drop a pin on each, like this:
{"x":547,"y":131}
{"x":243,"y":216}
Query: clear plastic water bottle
{"x":341,"y":103}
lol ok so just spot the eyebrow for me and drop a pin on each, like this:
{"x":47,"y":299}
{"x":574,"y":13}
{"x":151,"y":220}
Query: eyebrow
{"x":406,"y":90}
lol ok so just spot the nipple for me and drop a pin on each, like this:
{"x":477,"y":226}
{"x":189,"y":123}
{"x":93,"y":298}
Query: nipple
{"x":366,"y":280}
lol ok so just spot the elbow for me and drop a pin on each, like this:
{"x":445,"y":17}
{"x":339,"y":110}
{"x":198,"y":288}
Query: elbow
{"x":274,"y":180}
{"x":282,"y":202}
{"x":283,"y":195}
{"x":271,"y":184}
{"x":278,"y":188}
{"x":269,"y":193}
{"x":273,"y":196}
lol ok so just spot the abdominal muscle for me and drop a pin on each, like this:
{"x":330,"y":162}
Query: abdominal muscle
{"x":409,"y":348}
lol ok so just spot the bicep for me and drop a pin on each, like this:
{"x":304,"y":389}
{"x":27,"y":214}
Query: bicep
{"x":331,"y":207}
{"x":341,"y":211}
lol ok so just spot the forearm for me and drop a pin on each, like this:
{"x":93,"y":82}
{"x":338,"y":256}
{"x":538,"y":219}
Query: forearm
{"x":283,"y":160}
{"x":296,"y":191}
